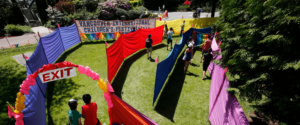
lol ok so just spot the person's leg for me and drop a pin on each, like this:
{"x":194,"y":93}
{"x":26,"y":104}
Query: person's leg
{"x":180,"y":33}
{"x":185,"y":66}
{"x":147,"y":53}
{"x":204,"y":72}
{"x":150,"y":51}
{"x":201,"y":56}
{"x":171,"y":43}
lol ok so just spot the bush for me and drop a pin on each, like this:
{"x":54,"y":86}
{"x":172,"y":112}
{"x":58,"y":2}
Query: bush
{"x":17,"y":29}
{"x":183,"y":7}
{"x":121,"y":12}
{"x":50,"y":24}
{"x":65,"y":6}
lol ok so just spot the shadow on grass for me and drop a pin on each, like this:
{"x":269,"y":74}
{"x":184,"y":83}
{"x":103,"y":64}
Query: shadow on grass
{"x":61,"y":89}
{"x":10,"y":78}
{"x":168,"y":100}
{"x":120,"y":77}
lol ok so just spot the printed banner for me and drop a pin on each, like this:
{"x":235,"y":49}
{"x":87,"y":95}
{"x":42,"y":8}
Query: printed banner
{"x":112,"y":26}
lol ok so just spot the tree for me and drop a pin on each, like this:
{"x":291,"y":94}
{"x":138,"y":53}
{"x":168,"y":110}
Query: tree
{"x":41,"y":8}
{"x":260,"y":47}
{"x":5,"y":10}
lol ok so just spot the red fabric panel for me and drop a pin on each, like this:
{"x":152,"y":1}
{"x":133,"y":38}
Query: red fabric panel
{"x":128,"y":44}
{"x":156,"y":35}
{"x":114,"y":58}
{"x":122,"y":113}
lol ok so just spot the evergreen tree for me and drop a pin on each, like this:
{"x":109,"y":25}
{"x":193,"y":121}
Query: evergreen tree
{"x":260,"y":47}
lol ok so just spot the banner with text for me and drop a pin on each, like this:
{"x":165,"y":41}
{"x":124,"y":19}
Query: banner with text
{"x":112,"y":26}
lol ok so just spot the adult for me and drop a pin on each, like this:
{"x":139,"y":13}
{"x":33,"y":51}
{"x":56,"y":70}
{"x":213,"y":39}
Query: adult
{"x":182,"y":27}
{"x":199,"y":12}
{"x":205,"y":48}
{"x":188,"y":54}
{"x":169,"y":39}
{"x":74,"y":115}
{"x":133,"y":29}
{"x":149,"y":46}
{"x":89,"y":111}
{"x":207,"y":58}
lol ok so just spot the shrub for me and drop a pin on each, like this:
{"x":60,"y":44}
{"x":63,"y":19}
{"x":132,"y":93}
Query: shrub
{"x":121,"y":12}
{"x":183,"y":7}
{"x":17,"y":29}
{"x":50,"y":24}
{"x":65,"y":6}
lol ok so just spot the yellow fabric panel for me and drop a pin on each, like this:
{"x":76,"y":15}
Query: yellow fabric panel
{"x":197,"y":23}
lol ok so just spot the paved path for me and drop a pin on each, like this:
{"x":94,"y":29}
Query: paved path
{"x":28,"y":38}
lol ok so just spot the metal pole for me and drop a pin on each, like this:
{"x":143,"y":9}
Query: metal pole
{"x":7,"y":39}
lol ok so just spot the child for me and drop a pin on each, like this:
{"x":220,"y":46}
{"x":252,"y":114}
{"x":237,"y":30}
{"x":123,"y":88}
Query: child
{"x":149,"y":46}
{"x":74,"y":115}
{"x":182,"y":27}
{"x":207,"y":58}
{"x":169,"y":39}
{"x":188,"y":54}
{"x":206,"y":46}
{"x":89,"y":111}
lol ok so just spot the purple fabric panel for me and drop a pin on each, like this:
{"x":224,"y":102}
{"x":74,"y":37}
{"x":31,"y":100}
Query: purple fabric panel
{"x":36,"y":61}
{"x":34,"y":112}
{"x":227,"y":109}
{"x":69,"y":36}
{"x":151,"y":122}
{"x":53,"y":46}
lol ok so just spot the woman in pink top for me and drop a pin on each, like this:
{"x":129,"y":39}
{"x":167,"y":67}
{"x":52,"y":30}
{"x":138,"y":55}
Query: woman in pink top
{"x":206,"y":46}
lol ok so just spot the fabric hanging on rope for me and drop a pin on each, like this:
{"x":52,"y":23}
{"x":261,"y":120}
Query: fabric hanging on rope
{"x":94,"y":36}
{"x":49,"y":48}
{"x":197,"y":23}
{"x":104,"y":36}
{"x":122,"y":113}
{"x":98,"y":36}
{"x":128,"y":44}
{"x":111,"y":35}
{"x":164,"y":67}
{"x":107,"y":36}
{"x":83,"y":35}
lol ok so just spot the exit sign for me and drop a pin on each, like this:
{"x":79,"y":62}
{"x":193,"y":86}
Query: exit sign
{"x":57,"y":74}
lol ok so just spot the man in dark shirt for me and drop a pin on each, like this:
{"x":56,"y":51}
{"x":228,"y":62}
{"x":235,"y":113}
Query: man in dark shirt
{"x":207,"y":58}
{"x":149,"y":46}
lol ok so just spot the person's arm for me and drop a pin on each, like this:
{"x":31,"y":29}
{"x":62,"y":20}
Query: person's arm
{"x":82,"y":113}
{"x":79,"y":121}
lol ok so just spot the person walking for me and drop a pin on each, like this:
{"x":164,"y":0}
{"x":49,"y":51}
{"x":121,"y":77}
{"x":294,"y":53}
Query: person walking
{"x":188,"y":54}
{"x":182,"y":27}
{"x":205,"y":47}
{"x":208,"y":57}
{"x":149,"y":46}
{"x":169,"y":39}
{"x":89,"y":111}
{"x":199,"y":12}
{"x":74,"y":115}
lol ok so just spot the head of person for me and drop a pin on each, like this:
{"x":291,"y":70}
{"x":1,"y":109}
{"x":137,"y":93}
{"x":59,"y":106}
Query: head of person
{"x":149,"y":35}
{"x":190,"y":46}
{"x":72,"y":104}
{"x":190,"y":39}
{"x":171,"y":28}
{"x":86,"y":98}
{"x":209,"y":50}
{"x":133,"y":28}
{"x":184,"y":21}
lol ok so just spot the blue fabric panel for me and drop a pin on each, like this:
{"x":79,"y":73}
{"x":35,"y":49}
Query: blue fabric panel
{"x":94,"y":36}
{"x":53,"y":46}
{"x":69,"y":36}
{"x":198,"y":40}
{"x":164,"y":68}
{"x":34,"y":112}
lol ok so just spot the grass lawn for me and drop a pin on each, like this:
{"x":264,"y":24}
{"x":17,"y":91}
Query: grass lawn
{"x":185,"y":98}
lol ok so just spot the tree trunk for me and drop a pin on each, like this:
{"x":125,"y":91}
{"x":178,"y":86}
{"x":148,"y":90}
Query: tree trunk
{"x":214,"y":3}
{"x":41,"y":8}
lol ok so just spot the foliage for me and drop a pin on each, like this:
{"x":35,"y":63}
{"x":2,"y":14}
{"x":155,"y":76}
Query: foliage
{"x":65,"y":6}
{"x":17,"y":29}
{"x":187,"y":2}
{"x":50,"y":24}
{"x":261,"y":50}
{"x":183,"y":7}
{"x":5,"y":10}
{"x":54,"y":14}
{"x":121,"y":12}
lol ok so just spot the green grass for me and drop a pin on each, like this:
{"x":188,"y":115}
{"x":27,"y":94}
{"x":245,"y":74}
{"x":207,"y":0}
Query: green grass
{"x":185,"y":99}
